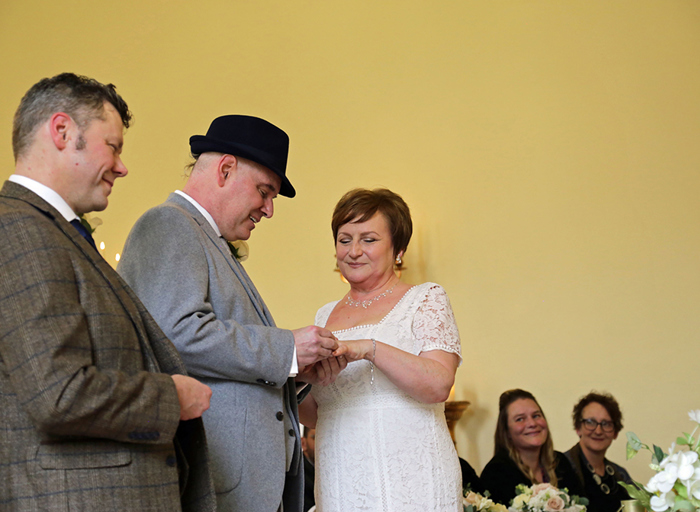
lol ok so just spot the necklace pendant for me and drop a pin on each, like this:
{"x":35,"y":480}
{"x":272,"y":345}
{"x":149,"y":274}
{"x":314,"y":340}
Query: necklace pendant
{"x":367,"y":303}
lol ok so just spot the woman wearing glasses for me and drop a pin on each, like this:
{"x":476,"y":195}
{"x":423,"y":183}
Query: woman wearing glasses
{"x":598,"y":421}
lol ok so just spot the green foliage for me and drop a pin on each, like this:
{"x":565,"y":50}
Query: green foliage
{"x":86,"y":224}
{"x":637,"y":492}
{"x":634,"y":444}
{"x":683,"y":506}
{"x":686,"y":440}
{"x":658,"y":456}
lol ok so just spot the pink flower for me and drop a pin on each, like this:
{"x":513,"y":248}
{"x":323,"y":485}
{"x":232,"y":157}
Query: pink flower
{"x":555,"y":504}
{"x":536,"y":489}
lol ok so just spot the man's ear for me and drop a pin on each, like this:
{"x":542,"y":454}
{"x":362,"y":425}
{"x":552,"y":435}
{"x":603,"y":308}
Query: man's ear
{"x":226,"y":169}
{"x":60,"y":128}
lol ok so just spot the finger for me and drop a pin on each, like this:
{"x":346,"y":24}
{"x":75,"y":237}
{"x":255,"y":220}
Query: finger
{"x":335,"y":369}
{"x":328,"y":368}
{"x":320,"y":371}
{"x":324,"y":353}
{"x":333,"y":364}
{"x":341,"y":350}
{"x":325,"y":333}
{"x":329,"y":342}
{"x":342,"y":363}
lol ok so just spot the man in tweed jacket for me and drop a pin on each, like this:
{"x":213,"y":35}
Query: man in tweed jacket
{"x":97,"y":413}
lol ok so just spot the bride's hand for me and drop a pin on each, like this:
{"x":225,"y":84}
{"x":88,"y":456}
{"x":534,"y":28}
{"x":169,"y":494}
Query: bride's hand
{"x":323,"y":372}
{"x":354,"y":350}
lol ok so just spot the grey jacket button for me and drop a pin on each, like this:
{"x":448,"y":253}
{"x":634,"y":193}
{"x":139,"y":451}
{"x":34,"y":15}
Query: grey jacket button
{"x":291,"y":432}
{"x":279,"y":415}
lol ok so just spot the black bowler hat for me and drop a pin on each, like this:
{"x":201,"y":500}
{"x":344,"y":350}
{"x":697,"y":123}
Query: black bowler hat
{"x":248,"y":137}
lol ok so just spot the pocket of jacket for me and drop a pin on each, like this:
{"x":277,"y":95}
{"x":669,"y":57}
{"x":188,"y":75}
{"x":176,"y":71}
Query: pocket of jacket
{"x":82,"y":455}
{"x":228,"y":446}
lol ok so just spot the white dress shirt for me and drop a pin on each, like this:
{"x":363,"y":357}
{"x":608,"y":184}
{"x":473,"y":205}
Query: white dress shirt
{"x":47,"y":194}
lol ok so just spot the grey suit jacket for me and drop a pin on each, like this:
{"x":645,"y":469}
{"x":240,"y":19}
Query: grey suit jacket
{"x":87,"y":420}
{"x":207,"y":305}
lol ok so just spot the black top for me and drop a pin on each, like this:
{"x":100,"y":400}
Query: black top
{"x":598,"y":500}
{"x":501,"y":475}
{"x":470,"y":479}
{"x":308,"y":483}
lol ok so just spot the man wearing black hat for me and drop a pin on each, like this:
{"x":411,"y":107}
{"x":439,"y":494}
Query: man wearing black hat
{"x":178,"y":261}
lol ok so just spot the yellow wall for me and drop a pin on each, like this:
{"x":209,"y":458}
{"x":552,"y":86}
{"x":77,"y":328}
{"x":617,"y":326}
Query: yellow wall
{"x":549,"y":151}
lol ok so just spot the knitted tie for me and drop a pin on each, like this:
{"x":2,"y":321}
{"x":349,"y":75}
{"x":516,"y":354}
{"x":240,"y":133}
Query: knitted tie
{"x":84,"y":232}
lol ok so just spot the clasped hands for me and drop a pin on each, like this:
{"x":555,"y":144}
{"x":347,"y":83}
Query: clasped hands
{"x":322,"y":357}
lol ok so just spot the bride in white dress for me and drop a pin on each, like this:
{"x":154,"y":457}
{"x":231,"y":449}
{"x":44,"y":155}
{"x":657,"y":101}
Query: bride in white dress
{"x":382,"y":443}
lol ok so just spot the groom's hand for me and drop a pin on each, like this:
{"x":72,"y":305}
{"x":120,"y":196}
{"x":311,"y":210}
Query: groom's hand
{"x":323,"y":372}
{"x":313,"y":344}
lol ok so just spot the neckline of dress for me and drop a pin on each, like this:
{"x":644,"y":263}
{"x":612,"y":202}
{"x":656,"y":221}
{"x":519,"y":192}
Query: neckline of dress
{"x":380,"y":321}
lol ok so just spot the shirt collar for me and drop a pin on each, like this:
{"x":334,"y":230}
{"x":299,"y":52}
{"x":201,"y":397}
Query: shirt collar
{"x":201,"y":210}
{"x":47,"y":194}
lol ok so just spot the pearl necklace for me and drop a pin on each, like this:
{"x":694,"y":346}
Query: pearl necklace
{"x":367,"y":303}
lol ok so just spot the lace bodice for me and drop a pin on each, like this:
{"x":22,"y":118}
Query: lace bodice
{"x":377,"y":448}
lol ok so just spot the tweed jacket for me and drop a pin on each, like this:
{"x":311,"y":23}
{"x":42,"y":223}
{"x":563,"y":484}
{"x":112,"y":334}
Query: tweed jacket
{"x":207,"y":305}
{"x":88,"y":420}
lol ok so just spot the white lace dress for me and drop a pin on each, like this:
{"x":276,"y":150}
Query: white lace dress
{"x":378,"y":449}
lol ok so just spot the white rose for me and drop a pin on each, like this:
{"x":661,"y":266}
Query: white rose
{"x":686,"y":461}
{"x":661,"y":503}
{"x":695,"y":415}
{"x":666,"y":479}
{"x":485,"y":503}
{"x":520,"y":500}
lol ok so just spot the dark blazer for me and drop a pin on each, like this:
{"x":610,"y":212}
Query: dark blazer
{"x":207,"y":305}
{"x":88,"y":421}
{"x":501,"y":475}
{"x":598,"y":500}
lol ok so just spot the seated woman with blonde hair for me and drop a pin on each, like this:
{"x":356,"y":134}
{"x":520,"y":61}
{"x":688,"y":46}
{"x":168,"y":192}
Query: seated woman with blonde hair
{"x":524,"y":452}
{"x":382,"y":442}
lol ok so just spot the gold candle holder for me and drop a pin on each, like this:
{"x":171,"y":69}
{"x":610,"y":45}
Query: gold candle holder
{"x":453,"y":412}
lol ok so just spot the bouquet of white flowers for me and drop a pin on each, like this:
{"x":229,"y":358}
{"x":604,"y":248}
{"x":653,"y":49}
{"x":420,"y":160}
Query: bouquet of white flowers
{"x":546,"y":498}
{"x":475,"y":502}
{"x":676,"y":484}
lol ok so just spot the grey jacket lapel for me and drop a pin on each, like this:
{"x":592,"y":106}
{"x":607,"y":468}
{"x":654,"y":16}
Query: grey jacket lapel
{"x":222,"y":246}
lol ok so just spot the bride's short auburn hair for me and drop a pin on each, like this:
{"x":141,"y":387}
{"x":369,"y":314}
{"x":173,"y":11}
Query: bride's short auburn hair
{"x":360,"y":205}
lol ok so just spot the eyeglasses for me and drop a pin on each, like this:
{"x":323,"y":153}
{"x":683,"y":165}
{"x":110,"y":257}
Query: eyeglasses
{"x":590,"y":424}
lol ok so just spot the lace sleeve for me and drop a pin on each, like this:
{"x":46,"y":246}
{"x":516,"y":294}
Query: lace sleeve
{"x":434,"y":325}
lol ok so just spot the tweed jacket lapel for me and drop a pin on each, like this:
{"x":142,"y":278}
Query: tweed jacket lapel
{"x":121,"y":290}
{"x":222,"y":247}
